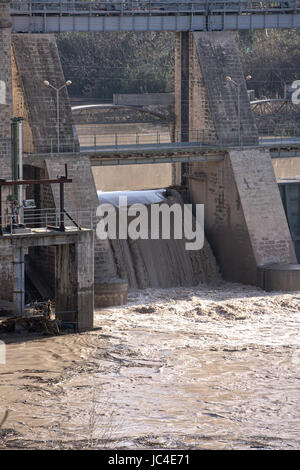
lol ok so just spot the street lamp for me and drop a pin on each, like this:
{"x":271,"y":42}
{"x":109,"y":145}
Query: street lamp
{"x":238,"y":86}
{"x":46,"y":83}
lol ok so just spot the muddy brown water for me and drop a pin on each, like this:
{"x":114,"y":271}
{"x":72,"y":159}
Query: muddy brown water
{"x":187,"y":368}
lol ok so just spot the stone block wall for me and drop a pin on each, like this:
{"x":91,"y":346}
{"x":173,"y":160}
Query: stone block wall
{"x":192,"y":108}
{"x":181,"y":85}
{"x":74,"y":286}
{"x":20,"y":108}
{"x":5,"y":90}
{"x":204,"y":100}
{"x":36,"y":59}
{"x":6,"y":275}
{"x":6,"y":272}
{"x":262,"y":206}
{"x":244,"y":218}
{"x":81,"y":196}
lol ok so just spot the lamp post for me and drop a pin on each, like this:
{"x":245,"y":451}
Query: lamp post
{"x":238,"y":86}
{"x":46,"y":83}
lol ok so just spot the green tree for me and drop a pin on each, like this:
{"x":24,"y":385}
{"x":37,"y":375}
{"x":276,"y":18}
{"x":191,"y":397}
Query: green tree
{"x":272,"y":58}
{"x":102,"y":64}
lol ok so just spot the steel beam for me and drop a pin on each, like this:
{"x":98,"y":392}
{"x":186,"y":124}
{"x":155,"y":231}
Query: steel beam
{"x":48,"y":21}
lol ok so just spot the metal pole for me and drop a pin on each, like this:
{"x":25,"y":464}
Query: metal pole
{"x":15,"y":155}
{"x":19,"y":281}
{"x":57,"y":117}
{"x":239,"y":111}
{"x":62,"y":208}
{"x":57,"y":106}
{"x":20,"y":119}
{"x":1,"y":222}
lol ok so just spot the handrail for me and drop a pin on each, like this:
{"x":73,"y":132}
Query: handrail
{"x":94,"y":141}
{"x":49,"y":218}
{"x":147,"y":7}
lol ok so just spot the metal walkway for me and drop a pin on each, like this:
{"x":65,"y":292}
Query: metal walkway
{"x":186,"y":152}
{"x":146,"y":15}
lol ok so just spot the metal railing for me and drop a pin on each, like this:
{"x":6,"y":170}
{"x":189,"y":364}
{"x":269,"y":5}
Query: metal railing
{"x":203,"y":15}
{"x":49,"y":218}
{"x":93,"y":141}
{"x":119,"y":139}
{"x":96,"y":142}
{"x":143,"y":7}
{"x":50,"y":145}
{"x":268,"y":136}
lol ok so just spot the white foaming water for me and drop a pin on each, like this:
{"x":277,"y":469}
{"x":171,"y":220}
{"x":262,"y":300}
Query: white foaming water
{"x":149,"y":196}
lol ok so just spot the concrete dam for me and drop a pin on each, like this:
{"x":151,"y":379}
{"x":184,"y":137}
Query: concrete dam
{"x":234,"y":178}
{"x":178,"y":349}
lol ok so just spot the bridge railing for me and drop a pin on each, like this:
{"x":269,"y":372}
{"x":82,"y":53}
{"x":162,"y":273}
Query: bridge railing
{"x":279,"y":135}
{"x":90,"y":142}
{"x":142,"y":7}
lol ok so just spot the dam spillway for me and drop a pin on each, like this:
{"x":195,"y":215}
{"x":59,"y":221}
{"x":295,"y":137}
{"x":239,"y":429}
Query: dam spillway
{"x":158,"y":263}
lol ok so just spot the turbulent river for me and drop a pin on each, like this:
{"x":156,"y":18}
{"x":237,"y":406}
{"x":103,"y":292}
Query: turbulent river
{"x":208,"y":367}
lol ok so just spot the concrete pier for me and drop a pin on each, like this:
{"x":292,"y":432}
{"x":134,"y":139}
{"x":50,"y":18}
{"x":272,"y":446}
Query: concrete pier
{"x":280,"y":277}
{"x":5,"y":89}
{"x":74,"y":271}
{"x":6,"y":271}
{"x":244,"y":217}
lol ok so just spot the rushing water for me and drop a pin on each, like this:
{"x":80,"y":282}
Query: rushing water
{"x":204,"y":367}
{"x":158,"y":263}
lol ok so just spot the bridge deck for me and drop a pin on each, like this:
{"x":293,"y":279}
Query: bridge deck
{"x":167,"y":153}
{"x":147,"y":15}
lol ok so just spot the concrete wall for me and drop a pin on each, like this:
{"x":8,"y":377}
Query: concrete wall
{"x":5,"y":90}
{"x":85,"y":285}
{"x":286,"y":167}
{"x":204,"y":100}
{"x":245,"y":221}
{"x":6,"y":274}
{"x":74,"y":271}
{"x":20,"y":108}
{"x":244,"y":217}
{"x":36,"y":59}
{"x":134,"y":177}
{"x":192,"y":108}
{"x":74,"y":275}
{"x":81,"y":195}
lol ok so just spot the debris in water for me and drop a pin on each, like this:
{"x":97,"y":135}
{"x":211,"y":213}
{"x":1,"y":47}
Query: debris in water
{"x":36,"y":324}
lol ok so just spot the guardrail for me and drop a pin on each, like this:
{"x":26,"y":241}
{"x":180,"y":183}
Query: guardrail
{"x":148,"y":7}
{"x":281,"y":135}
{"x":118,"y":139}
{"x":203,"y":15}
{"x":95,"y":142}
{"x":49,"y":218}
